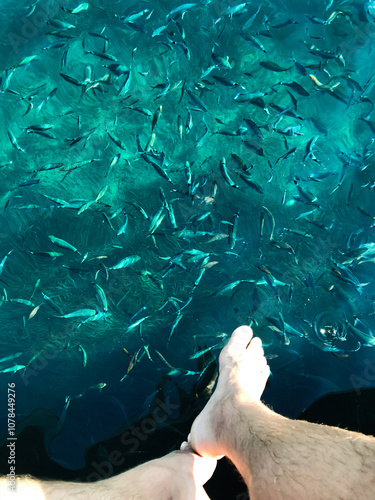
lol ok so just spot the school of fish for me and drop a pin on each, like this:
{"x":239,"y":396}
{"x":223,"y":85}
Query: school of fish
{"x":171,"y":171}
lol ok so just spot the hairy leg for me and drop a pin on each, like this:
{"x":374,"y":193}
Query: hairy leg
{"x":180,"y":475}
{"x":278,"y":458}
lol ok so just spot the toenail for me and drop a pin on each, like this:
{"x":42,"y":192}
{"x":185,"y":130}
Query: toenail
{"x":185,"y":446}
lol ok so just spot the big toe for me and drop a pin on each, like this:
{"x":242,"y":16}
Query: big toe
{"x":240,"y":339}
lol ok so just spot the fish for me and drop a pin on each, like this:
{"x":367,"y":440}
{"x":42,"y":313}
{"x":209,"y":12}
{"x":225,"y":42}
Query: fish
{"x":254,"y":148}
{"x":126,"y":262}
{"x":13,"y":369}
{"x":84,"y":354}
{"x":174,"y":326}
{"x":14,"y":142}
{"x":282,"y":245}
{"x":180,"y":11}
{"x":196,"y":102}
{"x":80,"y":313}
{"x":11,"y":357}
{"x":133,"y":17}
{"x":297,"y":87}
{"x":255,"y":42}
{"x":80,"y":8}
{"x":254,"y":129}
{"x":156,"y":117}
{"x":286,"y":155}
{"x":136,"y":323}
{"x":101,"y":296}
{"x":272,"y":66}
{"x":225,"y":174}
{"x":3,"y":260}
{"x":229,"y":287}
{"x":62,"y":243}
{"x":365,"y":337}
{"x":225,"y":81}
{"x":116,"y":140}
{"x":254,"y":185}
{"x":232,"y":231}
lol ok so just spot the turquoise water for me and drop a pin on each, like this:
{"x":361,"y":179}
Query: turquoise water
{"x":169,"y":176}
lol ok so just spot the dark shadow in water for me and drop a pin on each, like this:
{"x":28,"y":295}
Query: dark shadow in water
{"x":352,"y":410}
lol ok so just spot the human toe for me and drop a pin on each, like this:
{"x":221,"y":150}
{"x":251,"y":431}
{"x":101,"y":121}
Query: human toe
{"x":240,"y":339}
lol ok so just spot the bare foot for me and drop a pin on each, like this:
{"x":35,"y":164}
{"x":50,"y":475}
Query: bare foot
{"x":243,"y":373}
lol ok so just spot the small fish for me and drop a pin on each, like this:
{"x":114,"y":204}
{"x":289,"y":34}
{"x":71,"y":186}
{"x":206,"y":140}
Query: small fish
{"x":286,"y":155}
{"x":158,"y":168}
{"x":179,"y":127}
{"x":51,"y":303}
{"x":14,"y":142}
{"x":232,"y":230}
{"x":134,"y":325}
{"x":197,"y":102}
{"x":254,"y":148}
{"x":189,"y":121}
{"x":297,"y":88}
{"x":367,"y":338}
{"x":225,"y":174}
{"x":365,"y":212}
{"x":255,"y":42}
{"x":137,"y":313}
{"x":53,"y":255}
{"x":283,"y":246}
{"x":115,"y":159}
{"x":310,"y":281}
{"x":79,"y":313}
{"x":60,"y":25}
{"x":309,"y":148}
{"x":272,"y":66}
{"x":156,"y":117}
{"x":133,"y":361}
{"x":125,"y":87}
{"x":101,"y":296}
{"x":133,"y":17}
{"x":100,"y":386}
{"x":80,"y":8}
{"x":26,"y":61}
{"x":227,"y":288}
{"x":174,"y":326}
{"x":322,"y":86}
{"x":261,"y":224}
{"x":127,"y":262}
{"x":246,"y":178}
{"x":139,"y":208}
{"x":11,"y":357}
{"x":13,"y":369}
{"x":62,"y":243}
{"x":298,"y":232}
{"x":225,"y":81}
{"x":34,"y":311}
{"x":180,"y":10}
{"x":251,"y":19}
{"x":204,"y":135}
{"x":290,"y":293}
{"x":254,"y":129}
{"x":22,"y":301}
{"x":72,"y":80}
{"x":123,"y":227}
{"x":84,"y":354}
{"x":3,"y":261}
{"x":116,"y":140}
{"x":236,"y":9}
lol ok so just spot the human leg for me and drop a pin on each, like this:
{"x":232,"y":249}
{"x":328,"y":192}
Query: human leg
{"x":278,"y":458}
{"x":180,"y":475}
